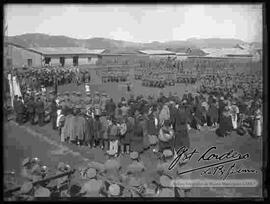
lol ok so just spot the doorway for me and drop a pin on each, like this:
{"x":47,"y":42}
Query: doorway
{"x":62,"y":61}
{"x":75,"y":61}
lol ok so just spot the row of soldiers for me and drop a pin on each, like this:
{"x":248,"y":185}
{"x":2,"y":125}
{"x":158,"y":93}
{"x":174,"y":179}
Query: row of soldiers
{"x":34,"y":79}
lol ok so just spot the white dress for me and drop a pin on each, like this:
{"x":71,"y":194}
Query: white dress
{"x":234,"y":112}
{"x":258,"y":126}
{"x":87,"y":88}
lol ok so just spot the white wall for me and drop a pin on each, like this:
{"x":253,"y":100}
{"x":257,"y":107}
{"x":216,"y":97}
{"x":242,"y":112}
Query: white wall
{"x":68,"y":61}
{"x":93,"y":60}
{"x":55,"y":61}
{"x":83,"y":60}
{"x":179,"y":57}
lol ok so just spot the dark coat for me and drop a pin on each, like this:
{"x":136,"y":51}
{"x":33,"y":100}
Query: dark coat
{"x":181,"y":131}
{"x":110,"y":108}
{"x":39,"y":107}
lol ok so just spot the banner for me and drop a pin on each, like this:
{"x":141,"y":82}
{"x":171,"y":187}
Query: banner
{"x":14,"y":88}
{"x":11,"y":89}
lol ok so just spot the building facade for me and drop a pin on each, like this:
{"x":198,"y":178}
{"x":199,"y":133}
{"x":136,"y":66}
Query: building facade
{"x":69,"y":56}
{"x":17,"y":56}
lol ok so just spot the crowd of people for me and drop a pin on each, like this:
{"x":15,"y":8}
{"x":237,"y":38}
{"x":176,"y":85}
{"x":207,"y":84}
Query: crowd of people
{"x":94,"y":119}
{"x":35,"y":79}
{"x":139,"y":124}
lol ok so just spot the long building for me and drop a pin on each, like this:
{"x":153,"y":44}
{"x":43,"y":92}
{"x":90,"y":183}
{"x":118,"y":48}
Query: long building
{"x":70,"y":56}
{"x":18,"y":56}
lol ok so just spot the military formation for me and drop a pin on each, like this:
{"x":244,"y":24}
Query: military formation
{"x":141,"y":125}
{"x":35,"y":79}
{"x":114,"y":76}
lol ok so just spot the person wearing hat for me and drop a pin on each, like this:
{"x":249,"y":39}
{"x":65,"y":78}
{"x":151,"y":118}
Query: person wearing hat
{"x":221,"y":106}
{"x":43,"y":89}
{"x":89,"y":128}
{"x":258,"y":123}
{"x":234,"y":111}
{"x":213,"y":113}
{"x":180,"y":127}
{"x":97,"y":129}
{"x":136,"y":168}
{"x":113,"y":135}
{"x":137,"y":142}
{"x":26,"y":170}
{"x":112,"y":166}
{"x":166,"y":136}
{"x":110,"y":107}
{"x":79,"y":126}
{"x":40,"y":111}
{"x":53,"y":113}
{"x":164,"y":164}
{"x":114,"y":190}
{"x":225,"y":125}
{"x":103,"y":101}
{"x":87,"y":88}
{"x":93,"y":187}
{"x":30,"y":107}
{"x":125,"y":132}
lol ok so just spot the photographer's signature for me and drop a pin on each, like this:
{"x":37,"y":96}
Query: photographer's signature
{"x":216,"y":168}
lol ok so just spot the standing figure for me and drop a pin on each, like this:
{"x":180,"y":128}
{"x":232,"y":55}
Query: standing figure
{"x":40,"y":111}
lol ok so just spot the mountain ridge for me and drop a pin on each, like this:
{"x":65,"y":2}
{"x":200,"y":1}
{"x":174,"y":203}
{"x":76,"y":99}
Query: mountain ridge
{"x":45,"y":40}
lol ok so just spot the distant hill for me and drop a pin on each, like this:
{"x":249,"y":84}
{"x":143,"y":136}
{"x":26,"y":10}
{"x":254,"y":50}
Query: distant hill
{"x":44,"y":40}
{"x":215,"y":42}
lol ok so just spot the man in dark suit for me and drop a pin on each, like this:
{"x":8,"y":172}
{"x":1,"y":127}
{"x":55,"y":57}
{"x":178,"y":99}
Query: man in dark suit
{"x":20,"y":111}
{"x":53,"y":113}
{"x":40,"y":111}
{"x":30,"y":105}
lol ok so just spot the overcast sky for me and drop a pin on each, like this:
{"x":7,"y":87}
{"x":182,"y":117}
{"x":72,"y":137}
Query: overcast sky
{"x":138,"y":23}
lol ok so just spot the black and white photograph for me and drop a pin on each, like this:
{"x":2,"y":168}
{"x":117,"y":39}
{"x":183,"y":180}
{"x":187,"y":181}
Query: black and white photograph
{"x":133,"y":101}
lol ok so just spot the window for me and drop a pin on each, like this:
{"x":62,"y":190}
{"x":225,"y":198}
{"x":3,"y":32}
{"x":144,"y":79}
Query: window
{"x":89,"y":59}
{"x":47,"y":60}
{"x":62,"y":61}
{"x":9,"y":62}
{"x":29,"y":62}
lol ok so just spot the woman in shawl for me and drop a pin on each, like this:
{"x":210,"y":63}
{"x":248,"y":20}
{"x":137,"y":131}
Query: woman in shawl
{"x":152,"y":124}
{"x":79,"y":127}
{"x":213,"y":113}
{"x":136,"y":143}
{"x":166,"y":135}
{"x":225,"y":126}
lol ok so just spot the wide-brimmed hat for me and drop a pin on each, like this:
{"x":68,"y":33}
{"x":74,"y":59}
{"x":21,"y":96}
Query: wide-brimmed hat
{"x":134,"y":182}
{"x":91,"y":173}
{"x":114,"y":189}
{"x":42,"y":192}
{"x":134,"y":155}
{"x":167,"y":153}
